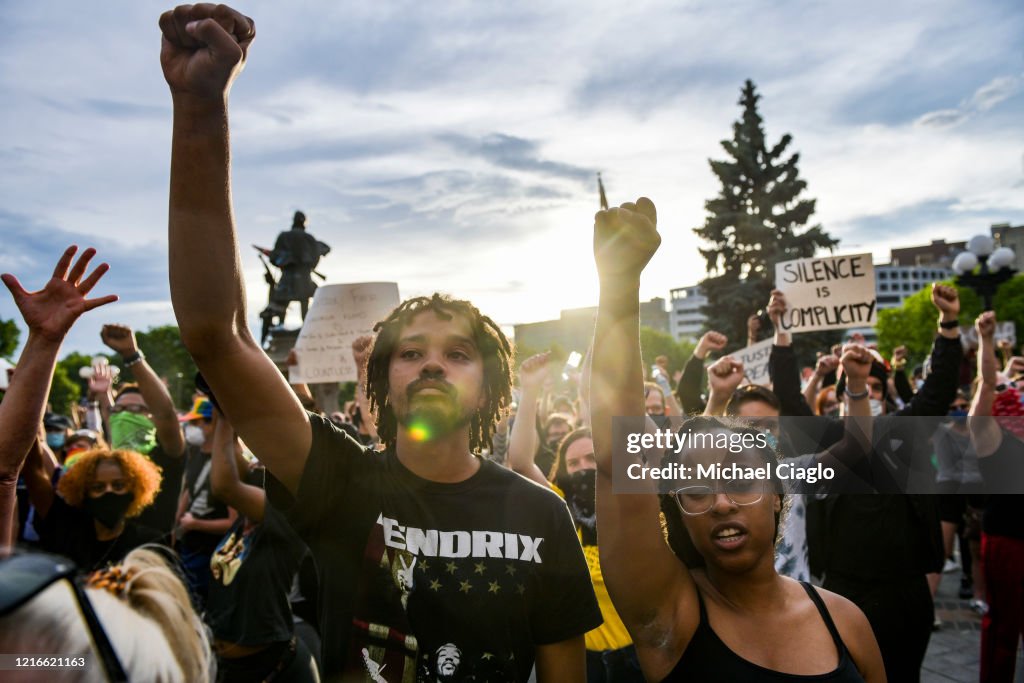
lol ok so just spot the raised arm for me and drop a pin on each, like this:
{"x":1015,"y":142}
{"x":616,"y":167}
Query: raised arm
{"x":644,"y":577}
{"x":986,"y":436}
{"x":939,"y":388}
{"x":688,"y":388}
{"x":49,"y":313}
{"x":725,"y":376}
{"x":523,"y":442}
{"x":826,"y":365}
{"x":225,"y":481}
{"x":121,"y":339}
{"x":782,"y":365}
{"x":204,"y":48}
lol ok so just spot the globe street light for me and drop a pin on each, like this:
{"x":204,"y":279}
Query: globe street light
{"x":995,"y":267}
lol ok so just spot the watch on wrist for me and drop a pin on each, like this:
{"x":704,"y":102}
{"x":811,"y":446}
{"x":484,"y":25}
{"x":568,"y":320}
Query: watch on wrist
{"x":950,"y":325}
{"x":856,"y":396}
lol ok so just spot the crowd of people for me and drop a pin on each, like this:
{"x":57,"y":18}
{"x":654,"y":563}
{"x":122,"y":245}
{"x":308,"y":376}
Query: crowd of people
{"x":462,"y":519}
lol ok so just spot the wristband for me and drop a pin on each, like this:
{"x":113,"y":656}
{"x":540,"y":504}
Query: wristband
{"x":951,"y":325}
{"x":856,"y":397}
{"x":132,"y":359}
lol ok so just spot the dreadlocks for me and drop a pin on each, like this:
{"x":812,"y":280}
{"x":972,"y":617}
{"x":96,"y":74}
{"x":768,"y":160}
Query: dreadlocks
{"x":495,"y":351}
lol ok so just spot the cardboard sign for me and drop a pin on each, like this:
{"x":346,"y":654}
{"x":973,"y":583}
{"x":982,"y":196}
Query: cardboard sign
{"x":339,"y":315}
{"x":755,"y":361}
{"x":829,"y":293}
{"x":1006,"y":330}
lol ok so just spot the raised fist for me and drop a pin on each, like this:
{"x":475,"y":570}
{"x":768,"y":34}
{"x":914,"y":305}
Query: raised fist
{"x":204,"y":48}
{"x":947,"y":300}
{"x":534,"y":371}
{"x":711,"y":341}
{"x":625,"y":239}
{"x":985,"y":325}
{"x":120,"y":338}
{"x":361,"y":348}
{"x":776,"y":306}
{"x":856,"y":362}
{"x":899,"y":353}
{"x":725,"y":376}
{"x":826,"y":364}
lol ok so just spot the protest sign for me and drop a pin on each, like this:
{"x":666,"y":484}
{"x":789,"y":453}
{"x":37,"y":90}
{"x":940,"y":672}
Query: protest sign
{"x":828,"y":293}
{"x":755,"y":361}
{"x":339,"y":314}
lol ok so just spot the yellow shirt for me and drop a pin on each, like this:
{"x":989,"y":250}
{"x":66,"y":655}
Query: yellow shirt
{"x":612,"y":634}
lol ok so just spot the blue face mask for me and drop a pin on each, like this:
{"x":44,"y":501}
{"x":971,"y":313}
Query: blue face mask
{"x":55,"y":439}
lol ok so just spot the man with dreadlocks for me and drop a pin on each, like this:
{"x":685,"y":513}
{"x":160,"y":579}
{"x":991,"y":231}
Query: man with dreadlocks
{"x":433,"y":562}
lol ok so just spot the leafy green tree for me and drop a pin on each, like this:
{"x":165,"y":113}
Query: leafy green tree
{"x":9,"y":337}
{"x":914,"y":323}
{"x":654,"y":343}
{"x":757,"y":220}
{"x":64,"y":391}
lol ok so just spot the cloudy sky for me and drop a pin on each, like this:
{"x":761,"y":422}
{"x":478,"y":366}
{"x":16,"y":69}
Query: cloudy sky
{"x":453,"y":146}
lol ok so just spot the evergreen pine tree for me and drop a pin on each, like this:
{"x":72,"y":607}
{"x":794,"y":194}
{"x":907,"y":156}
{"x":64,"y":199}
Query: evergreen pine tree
{"x":757,"y":220}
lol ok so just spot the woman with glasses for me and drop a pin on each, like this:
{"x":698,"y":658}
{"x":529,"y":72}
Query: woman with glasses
{"x":716,"y":610}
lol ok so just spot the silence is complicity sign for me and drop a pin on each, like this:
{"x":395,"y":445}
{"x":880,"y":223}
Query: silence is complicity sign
{"x":828,"y":293}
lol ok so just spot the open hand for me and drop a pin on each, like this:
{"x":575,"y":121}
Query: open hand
{"x":52,"y":311}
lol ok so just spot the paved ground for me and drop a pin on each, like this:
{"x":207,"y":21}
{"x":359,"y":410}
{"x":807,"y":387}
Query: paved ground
{"x":954,"y":649}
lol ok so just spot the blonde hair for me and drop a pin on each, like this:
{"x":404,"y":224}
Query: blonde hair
{"x":150,"y":624}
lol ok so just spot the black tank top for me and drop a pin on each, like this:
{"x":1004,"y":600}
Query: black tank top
{"x":708,"y":660}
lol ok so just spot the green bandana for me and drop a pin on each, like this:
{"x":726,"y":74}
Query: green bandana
{"x":133,"y":432}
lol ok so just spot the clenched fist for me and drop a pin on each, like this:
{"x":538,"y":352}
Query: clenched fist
{"x":204,"y":48}
{"x":625,"y":239}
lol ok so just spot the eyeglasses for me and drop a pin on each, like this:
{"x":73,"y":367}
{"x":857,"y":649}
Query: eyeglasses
{"x":697,"y":500}
{"x":1003,"y":386}
{"x":23,"y":577}
{"x":137,"y":408}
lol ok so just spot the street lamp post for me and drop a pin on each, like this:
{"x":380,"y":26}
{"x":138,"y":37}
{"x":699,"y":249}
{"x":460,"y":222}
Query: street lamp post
{"x":994,"y":271}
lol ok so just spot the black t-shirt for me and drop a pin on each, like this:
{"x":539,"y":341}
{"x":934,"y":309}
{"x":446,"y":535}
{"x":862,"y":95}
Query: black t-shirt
{"x":1004,"y":471}
{"x":202,"y":503}
{"x":70,"y":532}
{"x":160,"y":515}
{"x":252,"y":571}
{"x":427,"y":580}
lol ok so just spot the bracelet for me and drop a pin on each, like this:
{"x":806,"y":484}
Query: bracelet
{"x":951,"y":325}
{"x":132,"y":359}
{"x":858,"y":396}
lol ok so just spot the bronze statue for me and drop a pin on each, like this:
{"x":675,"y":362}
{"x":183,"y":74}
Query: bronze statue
{"x":296,"y":253}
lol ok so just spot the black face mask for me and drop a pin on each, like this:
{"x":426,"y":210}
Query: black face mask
{"x":109,"y":508}
{"x":661,"y":421}
{"x":580,"y":495}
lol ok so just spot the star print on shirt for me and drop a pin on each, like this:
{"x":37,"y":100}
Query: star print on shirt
{"x":465,"y":587}
{"x":479,"y":568}
{"x":494,"y":587}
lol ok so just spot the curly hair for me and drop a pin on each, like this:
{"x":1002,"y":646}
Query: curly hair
{"x":143,"y":476}
{"x":676,"y":534}
{"x":494,"y":347}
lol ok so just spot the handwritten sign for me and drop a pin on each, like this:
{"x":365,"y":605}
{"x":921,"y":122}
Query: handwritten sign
{"x":339,"y":314}
{"x":755,"y":362}
{"x":829,"y":293}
